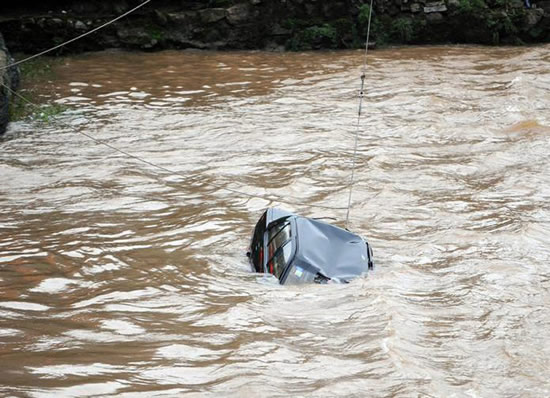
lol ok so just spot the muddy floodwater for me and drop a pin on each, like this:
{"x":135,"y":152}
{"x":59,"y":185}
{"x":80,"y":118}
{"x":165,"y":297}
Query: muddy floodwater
{"x":121,"y":278}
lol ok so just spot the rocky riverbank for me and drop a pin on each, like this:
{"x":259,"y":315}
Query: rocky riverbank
{"x":272,"y":24}
{"x":9,"y":78}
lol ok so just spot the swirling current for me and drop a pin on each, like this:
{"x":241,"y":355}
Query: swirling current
{"x":118,"y":278}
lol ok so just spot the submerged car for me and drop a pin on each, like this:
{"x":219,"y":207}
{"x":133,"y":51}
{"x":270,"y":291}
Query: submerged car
{"x":298,"y":250}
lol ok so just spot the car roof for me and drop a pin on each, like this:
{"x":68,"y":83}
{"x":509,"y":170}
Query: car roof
{"x":336,"y":253}
{"x":325,"y":248}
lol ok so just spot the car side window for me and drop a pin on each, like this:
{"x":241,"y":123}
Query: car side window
{"x":277,"y":236}
{"x":280,"y":260}
{"x":279,"y":248}
{"x":277,"y":229}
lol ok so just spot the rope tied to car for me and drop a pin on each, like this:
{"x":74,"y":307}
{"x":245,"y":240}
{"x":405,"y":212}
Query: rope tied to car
{"x":361,"y":96}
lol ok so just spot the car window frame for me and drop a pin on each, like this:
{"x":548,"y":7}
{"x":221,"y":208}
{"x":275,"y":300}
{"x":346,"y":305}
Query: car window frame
{"x":258,"y":238}
{"x":285,"y":221}
{"x":280,"y":252}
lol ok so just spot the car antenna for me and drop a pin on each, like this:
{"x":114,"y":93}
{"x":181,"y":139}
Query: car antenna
{"x":361,"y":95}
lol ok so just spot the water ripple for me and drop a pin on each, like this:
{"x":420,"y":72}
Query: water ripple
{"x":119,"y":279}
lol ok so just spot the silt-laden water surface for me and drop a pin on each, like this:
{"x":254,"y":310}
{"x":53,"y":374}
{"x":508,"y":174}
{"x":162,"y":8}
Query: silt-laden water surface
{"x":121,"y":279}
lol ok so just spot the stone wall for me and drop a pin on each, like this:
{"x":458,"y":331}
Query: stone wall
{"x":272,"y":24}
{"x":8,"y":77}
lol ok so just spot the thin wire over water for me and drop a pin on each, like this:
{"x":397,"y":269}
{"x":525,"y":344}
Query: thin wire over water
{"x":289,"y":200}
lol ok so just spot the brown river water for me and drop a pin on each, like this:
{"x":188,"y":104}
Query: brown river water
{"x":118,"y":278}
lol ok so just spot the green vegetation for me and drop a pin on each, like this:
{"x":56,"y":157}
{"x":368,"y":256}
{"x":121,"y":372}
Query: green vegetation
{"x":344,"y":32}
{"x":49,"y":111}
{"x":506,"y":4}
{"x":473,"y":8}
{"x":377,"y":32}
{"x":481,"y":21}
{"x":295,"y":24}
{"x":35,"y":73}
{"x":324,"y":36}
{"x":386,"y":30}
{"x":490,"y":21}
{"x":363,"y":17}
{"x":21,"y":110}
{"x":18,"y":110}
{"x":219,"y":3}
{"x":402,"y":30}
{"x":500,"y":24}
{"x":313,"y":34}
{"x":37,"y":69}
{"x":155,"y":33}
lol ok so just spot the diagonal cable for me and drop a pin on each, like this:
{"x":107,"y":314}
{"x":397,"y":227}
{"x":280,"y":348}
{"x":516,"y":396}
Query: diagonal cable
{"x":291,"y":201}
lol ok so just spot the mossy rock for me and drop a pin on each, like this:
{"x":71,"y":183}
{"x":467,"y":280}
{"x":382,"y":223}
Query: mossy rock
{"x":314,"y":37}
